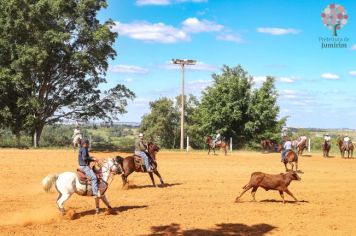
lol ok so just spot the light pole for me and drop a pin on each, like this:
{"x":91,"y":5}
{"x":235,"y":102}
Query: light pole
{"x":182,"y":63}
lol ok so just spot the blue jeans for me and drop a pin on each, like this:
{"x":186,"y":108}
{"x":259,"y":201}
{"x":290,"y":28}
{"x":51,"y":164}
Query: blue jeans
{"x":145,"y":159}
{"x":283,"y":154}
{"x":94,"y":181}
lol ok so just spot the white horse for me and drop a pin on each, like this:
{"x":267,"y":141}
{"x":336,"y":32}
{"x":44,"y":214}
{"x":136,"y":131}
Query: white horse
{"x":68,"y":183}
{"x":76,"y":140}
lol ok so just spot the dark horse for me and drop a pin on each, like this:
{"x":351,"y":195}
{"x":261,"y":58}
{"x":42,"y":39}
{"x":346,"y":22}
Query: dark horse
{"x":268,"y":145}
{"x":326,"y":148}
{"x":344,"y":148}
{"x":222,"y":145}
{"x":291,"y":157}
{"x":128,"y":164}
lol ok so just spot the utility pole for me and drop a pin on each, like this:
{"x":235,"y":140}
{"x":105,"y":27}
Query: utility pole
{"x":182,"y":63}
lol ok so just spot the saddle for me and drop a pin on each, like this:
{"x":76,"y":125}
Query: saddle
{"x":84,"y":180}
{"x":140,"y":163}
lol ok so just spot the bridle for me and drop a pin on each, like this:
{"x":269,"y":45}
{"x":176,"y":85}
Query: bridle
{"x":104,"y":168}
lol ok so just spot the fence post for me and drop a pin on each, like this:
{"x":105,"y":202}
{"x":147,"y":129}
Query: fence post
{"x":309,"y":145}
{"x":230,"y":144}
{"x":90,"y":143}
{"x":187,"y":143}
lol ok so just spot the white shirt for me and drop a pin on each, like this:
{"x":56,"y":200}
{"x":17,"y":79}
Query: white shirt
{"x":327,"y":138}
{"x":346,"y":139}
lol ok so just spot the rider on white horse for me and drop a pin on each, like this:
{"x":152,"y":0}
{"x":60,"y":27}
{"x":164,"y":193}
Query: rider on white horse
{"x":141,"y":150}
{"x":301,"y":139}
{"x":77,"y":135}
{"x":84,"y":160}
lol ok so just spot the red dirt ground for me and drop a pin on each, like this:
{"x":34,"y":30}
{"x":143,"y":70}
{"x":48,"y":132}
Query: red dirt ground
{"x":198,"y":200}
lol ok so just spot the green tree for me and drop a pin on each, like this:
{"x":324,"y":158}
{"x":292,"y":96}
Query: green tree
{"x":161,"y":124}
{"x":54,"y":56}
{"x":234,"y":108}
{"x":263,"y":114}
{"x":224,"y":105}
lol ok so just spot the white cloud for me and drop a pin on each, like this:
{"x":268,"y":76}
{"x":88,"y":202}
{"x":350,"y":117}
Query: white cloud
{"x":194,"y":25}
{"x":353,"y":47}
{"x":199,"y":66}
{"x":287,"y":79}
{"x":277,"y":31}
{"x":129,"y":80}
{"x":200,"y":84}
{"x":129,"y":69}
{"x":230,"y":37}
{"x":287,"y":93}
{"x":352,"y":73}
{"x":330,"y":76}
{"x":164,"y":2}
{"x":145,"y":31}
{"x":259,"y":79}
{"x":140,"y":102}
{"x":153,"y":2}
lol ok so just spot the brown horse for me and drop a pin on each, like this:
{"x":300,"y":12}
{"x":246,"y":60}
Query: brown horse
{"x":128,"y":164}
{"x":291,"y":157}
{"x":326,"y":148}
{"x":222,"y":145}
{"x":268,"y":145}
{"x":343,"y":148}
{"x":300,"y":147}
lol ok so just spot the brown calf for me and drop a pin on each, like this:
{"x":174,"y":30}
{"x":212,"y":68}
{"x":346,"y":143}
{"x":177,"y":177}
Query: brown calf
{"x":278,"y":182}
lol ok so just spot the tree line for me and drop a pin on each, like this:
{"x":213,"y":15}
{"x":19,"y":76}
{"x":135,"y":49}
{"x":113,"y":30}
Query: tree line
{"x":53,"y":58}
{"x":232,"y":105}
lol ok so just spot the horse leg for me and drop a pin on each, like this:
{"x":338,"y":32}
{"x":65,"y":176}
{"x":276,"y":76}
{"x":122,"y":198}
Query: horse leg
{"x":97,"y":209}
{"x":285,"y":164}
{"x":282,"y":195}
{"x":296,"y":166}
{"x":105,"y":201}
{"x":248,"y":187}
{"x":290,"y":194}
{"x":253,"y":192}
{"x":124,"y":177}
{"x":61,"y":199}
{"x":159,"y":176}
{"x":292,"y":165}
{"x":152,"y":179}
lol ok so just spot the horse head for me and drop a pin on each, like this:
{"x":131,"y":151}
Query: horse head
{"x":152,"y":149}
{"x":208,"y":139}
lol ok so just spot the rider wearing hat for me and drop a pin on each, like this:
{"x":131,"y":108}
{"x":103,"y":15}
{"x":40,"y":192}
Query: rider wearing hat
{"x":141,"y":149}
{"x":346,"y":141}
{"x":217,"y":139}
{"x":286,"y":148}
{"x":327,"y":138}
{"x":84,"y":161}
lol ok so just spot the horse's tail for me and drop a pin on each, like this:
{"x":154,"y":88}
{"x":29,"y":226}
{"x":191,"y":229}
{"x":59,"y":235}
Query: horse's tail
{"x":120,"y":160}
{"x":48,"y":182}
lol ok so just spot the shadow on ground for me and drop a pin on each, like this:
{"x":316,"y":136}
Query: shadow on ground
{"x":220,"y":229}
{"x":133,"y":186}
{"x":287,"y":201}
{"x":115,"y":210}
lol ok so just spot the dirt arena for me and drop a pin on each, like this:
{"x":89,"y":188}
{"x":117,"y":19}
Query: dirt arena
{"x":197,"y":200}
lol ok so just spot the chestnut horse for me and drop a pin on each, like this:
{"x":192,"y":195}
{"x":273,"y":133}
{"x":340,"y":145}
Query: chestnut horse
{"x":344,"y":148}
{"x":326,"y":148}
{"x":128,"y":165}
{"x":222,"y":145}
{"x":291,"y":157}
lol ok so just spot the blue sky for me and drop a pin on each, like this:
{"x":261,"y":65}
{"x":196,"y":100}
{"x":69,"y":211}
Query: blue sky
{"x":279,"y":38}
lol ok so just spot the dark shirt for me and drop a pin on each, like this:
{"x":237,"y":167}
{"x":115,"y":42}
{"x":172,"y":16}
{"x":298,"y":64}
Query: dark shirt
{"x":83,"y":157}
